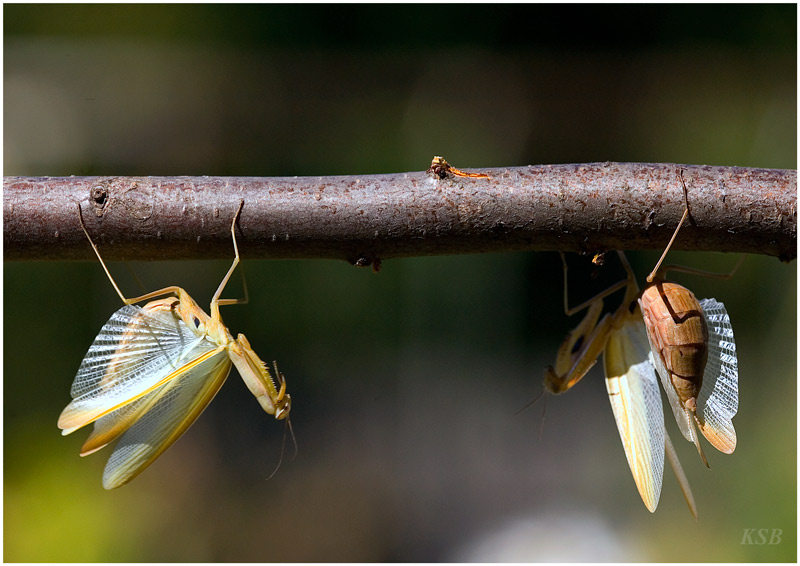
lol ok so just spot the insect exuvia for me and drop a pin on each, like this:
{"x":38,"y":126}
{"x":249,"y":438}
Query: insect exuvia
{"x":662,"y":329}
{"x":441,"y":168}
{"x":152,"y":370}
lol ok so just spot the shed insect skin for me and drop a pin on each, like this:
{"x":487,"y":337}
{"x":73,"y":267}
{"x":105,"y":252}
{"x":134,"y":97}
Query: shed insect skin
{"x":441,"y":168}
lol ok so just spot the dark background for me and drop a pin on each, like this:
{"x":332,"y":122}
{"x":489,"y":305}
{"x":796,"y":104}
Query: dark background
{"x":406,"y":384}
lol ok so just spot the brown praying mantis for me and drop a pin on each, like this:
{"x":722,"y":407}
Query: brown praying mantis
{"x":662,"y":329}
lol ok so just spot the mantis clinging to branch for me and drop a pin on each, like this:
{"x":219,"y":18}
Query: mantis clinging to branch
{"x":662,"y":329}
{"x":152,"y":370}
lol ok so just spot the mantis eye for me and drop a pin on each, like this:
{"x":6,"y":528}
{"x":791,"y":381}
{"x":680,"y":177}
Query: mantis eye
{"x":196,"y":322}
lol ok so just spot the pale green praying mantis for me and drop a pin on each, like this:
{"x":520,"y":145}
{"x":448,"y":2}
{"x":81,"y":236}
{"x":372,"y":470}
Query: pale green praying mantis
{"x":152,"y":370}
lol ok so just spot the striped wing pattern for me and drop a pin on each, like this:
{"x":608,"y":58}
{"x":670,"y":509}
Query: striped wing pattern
{"x":135,"y":351}
{"x":146,"y":378}
{"x":718,"y":400}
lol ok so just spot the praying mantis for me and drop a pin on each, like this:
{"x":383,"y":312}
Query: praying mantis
{"x":662,"y":330}
{"x":152,"y":370}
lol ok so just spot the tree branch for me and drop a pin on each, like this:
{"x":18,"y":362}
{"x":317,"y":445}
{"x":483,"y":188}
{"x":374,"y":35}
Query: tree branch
{"x":580,"y":208}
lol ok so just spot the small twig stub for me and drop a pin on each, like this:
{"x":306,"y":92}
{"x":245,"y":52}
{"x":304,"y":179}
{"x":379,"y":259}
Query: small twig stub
{"x":441,"y":169}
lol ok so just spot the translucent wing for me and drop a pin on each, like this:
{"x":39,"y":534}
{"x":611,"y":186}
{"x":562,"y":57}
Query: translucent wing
{"x":160,"y":417}
{"x":718,"y":400}
{"x":110,"y":426}
{"x":636,"y":402}
{"x":135,"y":351}
{"x":682,"y":416}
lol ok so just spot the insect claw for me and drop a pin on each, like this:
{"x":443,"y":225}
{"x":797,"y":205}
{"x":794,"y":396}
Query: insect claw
{"x":281,"y":379}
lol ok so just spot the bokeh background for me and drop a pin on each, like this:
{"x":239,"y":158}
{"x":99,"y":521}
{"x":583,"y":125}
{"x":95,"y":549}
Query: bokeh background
{"x":407,"y":384}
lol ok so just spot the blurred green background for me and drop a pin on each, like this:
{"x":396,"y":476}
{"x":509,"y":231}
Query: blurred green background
{"x":406,"y":384}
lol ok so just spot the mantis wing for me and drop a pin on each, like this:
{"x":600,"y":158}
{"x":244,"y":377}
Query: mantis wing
{"x":110,"y":426}
{"x":160,"y":417}
{"x":135,"y":352}
{"x":682,"y":416}
{"x":718,"y":400}
{"x":636,"y":402}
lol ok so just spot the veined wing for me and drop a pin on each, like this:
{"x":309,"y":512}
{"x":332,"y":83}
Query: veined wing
{"x":110,"y":426}
{"x":636,"y":402}
{"x":682,"y":416}
{"x":166,"y":413}
{"x":134,"y":352}
{"x":718,"y":400}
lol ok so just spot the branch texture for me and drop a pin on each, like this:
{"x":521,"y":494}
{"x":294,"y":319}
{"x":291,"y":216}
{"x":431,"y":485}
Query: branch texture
{"x":579,"y":207}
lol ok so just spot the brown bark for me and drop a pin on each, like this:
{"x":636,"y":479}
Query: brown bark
{"x":578,"y":207}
